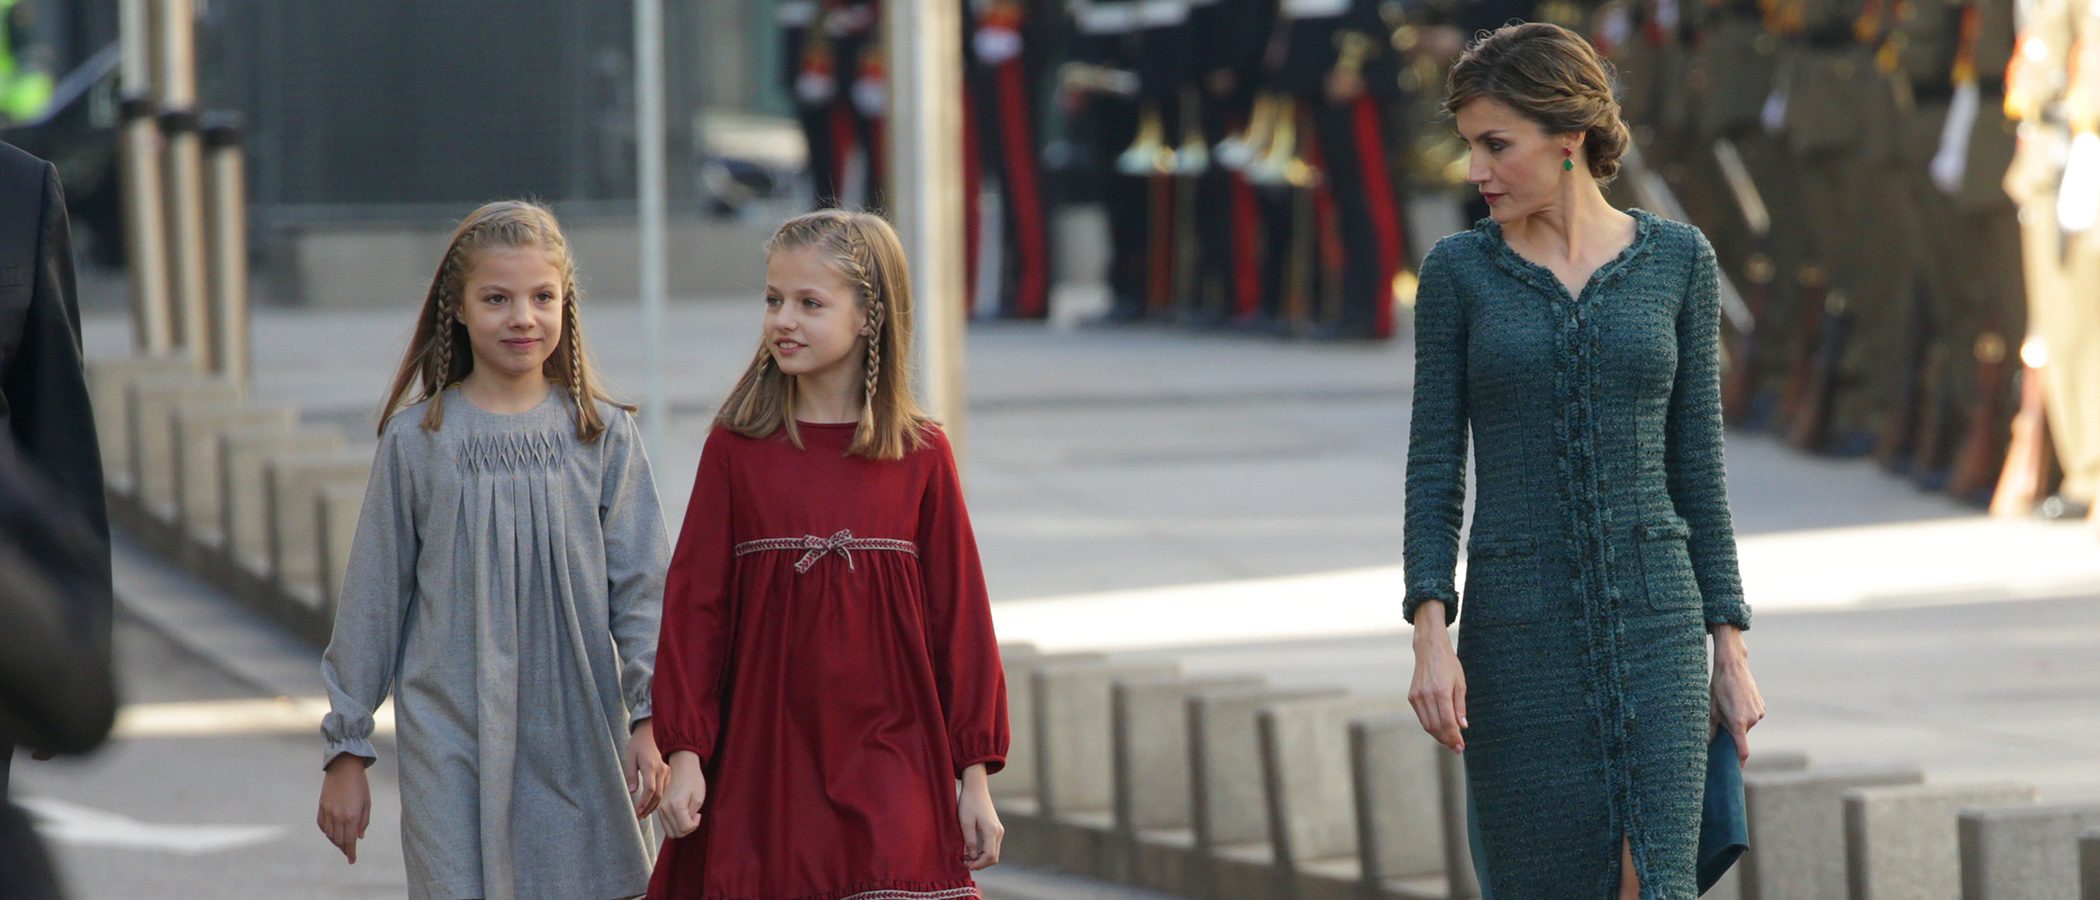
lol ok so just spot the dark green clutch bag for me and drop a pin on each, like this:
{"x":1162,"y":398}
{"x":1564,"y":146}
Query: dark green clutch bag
{"x":1724,"y":825}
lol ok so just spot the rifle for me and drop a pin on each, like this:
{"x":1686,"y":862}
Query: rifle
{"x":1815,"y":290}
{"x":1810,"y":428}
{"x":1739,"y":387}
{"x":2024,"y":480}
{"x":1935,"y":416}
{"x":1899,"y":433}
{"x":1739,"y":391}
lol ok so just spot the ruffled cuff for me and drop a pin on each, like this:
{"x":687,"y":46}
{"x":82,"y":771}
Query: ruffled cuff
{"x":1727,"y":611}
{"x":352,"y":736}
{"x":639,"y":711}
{"x":1414,"y":601}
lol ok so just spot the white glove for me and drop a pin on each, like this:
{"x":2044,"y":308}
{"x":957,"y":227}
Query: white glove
{"x":2078,"y":199}
{"x":1952,"y":160}
{"x":814,"y":88}
{"x":871,"y":96}
{"x":996,"y":45}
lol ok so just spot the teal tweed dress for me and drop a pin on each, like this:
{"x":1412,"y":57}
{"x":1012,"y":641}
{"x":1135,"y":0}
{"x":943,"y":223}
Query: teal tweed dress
{"x":1601,"y":547}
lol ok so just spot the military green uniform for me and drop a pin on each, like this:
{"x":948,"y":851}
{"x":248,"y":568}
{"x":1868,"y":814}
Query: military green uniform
{"x":1733,"y":73}
{"x":1888,"y":241}
{"x":1978,"y":311}
{"x":1825,"y":75}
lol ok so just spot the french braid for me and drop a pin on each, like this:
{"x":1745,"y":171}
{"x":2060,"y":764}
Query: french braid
{"x":858,"y":257}
{"x":572,"y":337}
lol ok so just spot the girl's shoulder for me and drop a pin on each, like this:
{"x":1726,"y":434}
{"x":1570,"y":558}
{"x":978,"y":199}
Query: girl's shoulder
{"x":933,"y":441}
{"x":404,"y":423}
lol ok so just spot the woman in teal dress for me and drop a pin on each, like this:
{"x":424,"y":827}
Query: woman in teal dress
{"x":1578,"y":345}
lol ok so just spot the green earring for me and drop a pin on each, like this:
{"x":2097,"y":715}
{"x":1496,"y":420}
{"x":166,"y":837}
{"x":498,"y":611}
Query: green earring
{"x":1567,"y":164}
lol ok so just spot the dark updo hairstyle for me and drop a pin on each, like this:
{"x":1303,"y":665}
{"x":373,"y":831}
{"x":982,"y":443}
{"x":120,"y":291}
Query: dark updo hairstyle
{"x":1551,"y":76}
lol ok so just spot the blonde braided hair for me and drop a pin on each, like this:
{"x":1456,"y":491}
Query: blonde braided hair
{"x":864,"y":252}
{"x":433,"y":361}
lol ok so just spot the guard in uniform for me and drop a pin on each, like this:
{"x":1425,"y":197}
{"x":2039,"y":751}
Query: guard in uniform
{"x":1104,"y":44}
{"x":1340,"y":66}
{"x":809,"y":69}
{"x":1003,"y":59}
{"x":1226,"y":273}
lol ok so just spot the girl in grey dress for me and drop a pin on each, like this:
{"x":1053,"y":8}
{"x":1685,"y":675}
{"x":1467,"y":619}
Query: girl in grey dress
{"x":504,"y":587}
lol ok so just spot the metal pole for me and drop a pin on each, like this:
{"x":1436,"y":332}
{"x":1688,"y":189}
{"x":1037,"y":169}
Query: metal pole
{"x":226,"y":183}
{"x":183,"y":178}
{"x":925,"y":44}
{"x":649,"y":186}
{"x":145,"y":237}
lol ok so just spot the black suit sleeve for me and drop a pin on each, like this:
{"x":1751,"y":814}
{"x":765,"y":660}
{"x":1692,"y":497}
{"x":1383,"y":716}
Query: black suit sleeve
{"x":47,"y":398}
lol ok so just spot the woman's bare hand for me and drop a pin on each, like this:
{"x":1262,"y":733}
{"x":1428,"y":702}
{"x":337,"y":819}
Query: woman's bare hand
{"x":1438,"y":692}
{"x":1737,"y":705}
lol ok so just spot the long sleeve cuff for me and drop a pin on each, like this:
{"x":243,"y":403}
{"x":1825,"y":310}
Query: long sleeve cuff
{"x":993,"y":762}
{"x":347,"y":736}
{"x":1728,"y":611}
{"x":1414,"y":601}
{"x":669,"y":745}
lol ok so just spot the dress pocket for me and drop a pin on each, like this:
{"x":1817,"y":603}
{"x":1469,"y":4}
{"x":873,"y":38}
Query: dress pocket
{"x":1666,"y":564}
{"x":1502,"y":582}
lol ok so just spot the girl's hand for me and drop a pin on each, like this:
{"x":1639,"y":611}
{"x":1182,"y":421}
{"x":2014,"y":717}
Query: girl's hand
{"x":685,"y":794}
{"x":1737,"y":706}
{"x":1438,"y":693}
{"x":982,"y":834}
{"x":346,"y":803}
{"x":645,"y":770}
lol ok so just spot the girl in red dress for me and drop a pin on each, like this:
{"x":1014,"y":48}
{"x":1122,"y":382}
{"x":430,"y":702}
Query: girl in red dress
{"x":827,"y":670}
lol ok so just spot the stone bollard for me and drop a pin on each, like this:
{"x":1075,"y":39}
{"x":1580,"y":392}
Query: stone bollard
{"x":149,"y":406}
{"x":2023,"y":852}
{"x":108,"y":381}
{"x":1903,"y":842}
{"x":1797,"y":829}
{"x":1464,"y":882}
{"x":1230,"y":805}
{"x":1154,"y":813}
{"x":197,"y":470}
{"x":1311,"y":800}
{"x":291,"y":489}
{"x":1398,"y":797}
{"x":1730,"y":887}
{"x":2089,"y":865}
{"x":1028,"y":833}
{"x":337,"y":512}
{"x":243,"y":507}
{"x":1075,"y":764}
{"x":1017,"y":780}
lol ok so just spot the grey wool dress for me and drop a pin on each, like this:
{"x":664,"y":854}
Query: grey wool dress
{"x":505,"y":585}
{"x":1600,"y":551}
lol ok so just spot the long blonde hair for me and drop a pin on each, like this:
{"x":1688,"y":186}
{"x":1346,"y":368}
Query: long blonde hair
{"x":865,"y":252}
{"x":439,"y":355}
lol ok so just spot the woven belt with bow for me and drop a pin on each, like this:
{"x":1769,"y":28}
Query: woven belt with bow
{"x":816,"y":548}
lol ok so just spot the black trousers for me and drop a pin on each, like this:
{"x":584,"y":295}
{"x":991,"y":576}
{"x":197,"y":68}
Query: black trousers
{"x":1352,"y":150}
{"x":1126,"y":200}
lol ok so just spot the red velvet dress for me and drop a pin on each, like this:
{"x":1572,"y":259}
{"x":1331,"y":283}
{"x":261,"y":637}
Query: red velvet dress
{"x":827,"y":651}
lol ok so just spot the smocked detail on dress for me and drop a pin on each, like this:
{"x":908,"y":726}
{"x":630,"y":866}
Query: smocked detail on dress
{"x":513,"y":450}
